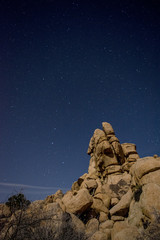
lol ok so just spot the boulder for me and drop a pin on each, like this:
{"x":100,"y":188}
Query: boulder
{"x":114,"y":201}
{"x":89,"y":184}
{"x":59,"y":201}
{"x":130,"y":233}
{"x":51,"y":209}
{"x":98,"y":134}
{"x":150,"y":200}
{"x":36,"y":207}
{"x":108,"y":128}
{"x":99,"y":188}
{"x":99,"y":235}
{"x":92,"y":171}
{"x":121,"y":208}
{"x":118,"y":151}
{"x":103,"y":217}
{"x":59,"y":194}
{"x":135,"y":215}
{"x":122,"y":231}
{"x":105,"y":199}
{"x":77,"y":203}
{"x":76,"y":185}
{"x":144,"y":166}
{"x":152,"y":177}
{"x":77,"y":223}
{"x":92,"y":226}
{"x":113,"y":138}
{"x":128,"y":148}
{"x":99,"y":206}
{"x":113,"y":169}
{"x":106,"y":224}
{"x":117,"y":185}
{"x":132,"y":157}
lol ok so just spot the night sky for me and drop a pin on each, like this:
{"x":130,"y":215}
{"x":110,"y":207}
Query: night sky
{"x":65,"y":67}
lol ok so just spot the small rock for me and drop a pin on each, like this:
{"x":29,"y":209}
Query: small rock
{"x":92,"y":226}
{"x":103,"y":217}
{"x":106,"y":224}
{"x":114,"y":201}
{"x":117,"y":218}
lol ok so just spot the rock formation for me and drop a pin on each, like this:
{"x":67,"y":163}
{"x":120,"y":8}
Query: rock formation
{"x":118,"y":199}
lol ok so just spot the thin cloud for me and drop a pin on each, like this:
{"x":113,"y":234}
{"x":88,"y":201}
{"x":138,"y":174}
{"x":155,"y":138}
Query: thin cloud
{"x":30,"y":186}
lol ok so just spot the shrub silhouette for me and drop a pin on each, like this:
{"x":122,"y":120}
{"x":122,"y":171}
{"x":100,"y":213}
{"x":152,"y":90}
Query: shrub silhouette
{"x":17,"y":202}
{"x":37,"y":225}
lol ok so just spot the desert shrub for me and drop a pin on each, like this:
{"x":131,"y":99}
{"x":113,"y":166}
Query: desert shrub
{"x":67,"y":230}
{"x":36,"y":224}
{"x":45,"y":227}
{"x":17,"y":202}
{"x":153,"y":230}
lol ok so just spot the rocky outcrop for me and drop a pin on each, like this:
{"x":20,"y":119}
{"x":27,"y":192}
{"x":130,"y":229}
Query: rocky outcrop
{"x":117,"y":199}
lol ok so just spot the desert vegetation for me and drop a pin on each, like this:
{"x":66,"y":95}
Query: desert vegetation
{"x":29,"y":222}
{"x":152,"y":232}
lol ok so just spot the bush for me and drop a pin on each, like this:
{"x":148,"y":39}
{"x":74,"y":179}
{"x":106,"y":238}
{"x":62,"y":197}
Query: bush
{"x":153,"y":230}
{"x":38,"y":224}
{"x":17,"y":202}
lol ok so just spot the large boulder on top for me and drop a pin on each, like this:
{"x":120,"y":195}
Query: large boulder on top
{"x":108,"y":128}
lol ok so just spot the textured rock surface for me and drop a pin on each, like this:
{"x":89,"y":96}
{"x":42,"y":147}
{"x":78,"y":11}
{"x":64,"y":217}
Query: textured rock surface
{"x":77,"y":202}
{"x":122,"y":207}
{"x":150,"y":200}
{"x":92,"y":226}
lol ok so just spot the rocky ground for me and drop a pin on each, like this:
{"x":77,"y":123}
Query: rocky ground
{"x":118,"y":199}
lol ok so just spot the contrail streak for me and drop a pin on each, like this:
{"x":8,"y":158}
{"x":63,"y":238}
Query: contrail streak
{"x":30,"y":186}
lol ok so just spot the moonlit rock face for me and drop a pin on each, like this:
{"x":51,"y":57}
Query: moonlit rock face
{"x":77,"y":203}
{"x":108,"y":128}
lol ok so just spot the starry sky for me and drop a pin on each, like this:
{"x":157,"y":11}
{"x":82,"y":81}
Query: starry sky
{"x":65,"y":67}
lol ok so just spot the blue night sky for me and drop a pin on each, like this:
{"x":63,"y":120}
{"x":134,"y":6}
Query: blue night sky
{"x":65,"y":67}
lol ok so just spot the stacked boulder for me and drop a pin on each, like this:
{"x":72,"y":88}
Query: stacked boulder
{"x":105,"y":198}
{"x":119,"y":197}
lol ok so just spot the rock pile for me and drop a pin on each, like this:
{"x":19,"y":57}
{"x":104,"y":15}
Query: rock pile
{"x":119,"y":197}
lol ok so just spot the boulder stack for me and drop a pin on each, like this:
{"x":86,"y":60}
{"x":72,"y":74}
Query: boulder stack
{"x":119,"y":197}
